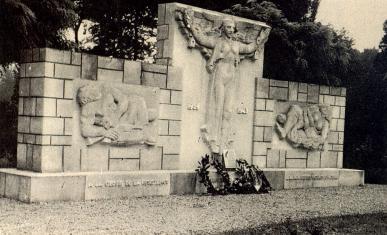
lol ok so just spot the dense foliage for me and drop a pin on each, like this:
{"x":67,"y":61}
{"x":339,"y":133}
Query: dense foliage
{"x":127,"y":29}
{"x":33,"y":23}
{"x":299,"y":49}
{"x":8,"y":117}
{"x":367,"y":125}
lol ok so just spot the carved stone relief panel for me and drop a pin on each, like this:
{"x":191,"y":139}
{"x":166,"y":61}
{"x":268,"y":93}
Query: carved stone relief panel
{"x":117,"y":115}
{"x":224,"y":43}
{"x":304,"y":126}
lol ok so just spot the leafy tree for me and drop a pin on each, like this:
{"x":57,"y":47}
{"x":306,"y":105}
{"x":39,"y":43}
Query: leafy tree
{"x":127,"y":29}
{"x":122,"y":28}
{"x":297,"y":10}
{"x":8,"y":117}
{"x":302,"y":50}
{"x":366,"y":127}
{"x":32,"y":23}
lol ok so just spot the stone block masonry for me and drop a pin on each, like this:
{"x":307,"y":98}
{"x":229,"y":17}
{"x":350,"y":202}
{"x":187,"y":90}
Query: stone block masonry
{"x":47,"y":103}
{"x":268,"y":153}
{"x":61,"y":158}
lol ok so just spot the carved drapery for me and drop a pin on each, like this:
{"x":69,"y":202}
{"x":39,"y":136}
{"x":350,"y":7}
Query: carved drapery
{"x":223,"y":43}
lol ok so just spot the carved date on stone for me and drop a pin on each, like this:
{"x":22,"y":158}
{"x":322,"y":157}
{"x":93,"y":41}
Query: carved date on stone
{"x":110,"y":116}
{"x":305,"y":127}
{"x":224,"y":45}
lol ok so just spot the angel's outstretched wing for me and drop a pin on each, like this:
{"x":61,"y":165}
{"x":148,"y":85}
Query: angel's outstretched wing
{"x":199,"y":29}
{"x":202,"y":31}
{"x":252,"y":39}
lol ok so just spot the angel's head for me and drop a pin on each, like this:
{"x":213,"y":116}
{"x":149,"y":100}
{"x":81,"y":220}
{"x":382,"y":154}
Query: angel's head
{"x":228,"y":27}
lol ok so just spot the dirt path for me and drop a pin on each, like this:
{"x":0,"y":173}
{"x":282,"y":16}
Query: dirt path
{"x":188,"y":214}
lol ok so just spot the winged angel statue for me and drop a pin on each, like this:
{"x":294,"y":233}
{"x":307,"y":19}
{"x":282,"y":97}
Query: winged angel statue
{"x":224,"y":44}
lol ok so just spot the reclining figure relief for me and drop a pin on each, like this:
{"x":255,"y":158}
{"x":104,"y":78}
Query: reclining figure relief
{"x":306,"y":127}
{"x":110,"y":116}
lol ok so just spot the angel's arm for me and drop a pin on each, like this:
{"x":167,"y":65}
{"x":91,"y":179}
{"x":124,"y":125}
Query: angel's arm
{"x":214,"y":57}
{"x":203,"y":40}
{"x":325,"y":130}
{"x":252,"y":47}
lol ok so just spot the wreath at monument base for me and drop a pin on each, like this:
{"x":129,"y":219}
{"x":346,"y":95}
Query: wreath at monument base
{"x":250,"y":179}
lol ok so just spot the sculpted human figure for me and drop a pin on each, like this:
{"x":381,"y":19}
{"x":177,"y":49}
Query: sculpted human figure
{"x":110,"y":116}
{"x":222,"y":66}
{"x":306,"y":127}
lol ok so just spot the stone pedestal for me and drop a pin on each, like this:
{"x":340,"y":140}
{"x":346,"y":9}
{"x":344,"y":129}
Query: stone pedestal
{"x":27,"y":186}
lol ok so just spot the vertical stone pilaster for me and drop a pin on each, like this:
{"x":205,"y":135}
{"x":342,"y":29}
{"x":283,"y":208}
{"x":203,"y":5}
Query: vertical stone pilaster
{"x":45,"y":109}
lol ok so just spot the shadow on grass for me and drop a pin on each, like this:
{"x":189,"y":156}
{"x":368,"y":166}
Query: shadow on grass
{"x":345,"y":224}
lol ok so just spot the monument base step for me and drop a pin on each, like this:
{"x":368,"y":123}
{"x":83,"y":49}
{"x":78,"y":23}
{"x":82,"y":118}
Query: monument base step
{"x":30,"y":186}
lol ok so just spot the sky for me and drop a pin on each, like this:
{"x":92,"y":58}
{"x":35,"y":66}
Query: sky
{"x":362,"y":19}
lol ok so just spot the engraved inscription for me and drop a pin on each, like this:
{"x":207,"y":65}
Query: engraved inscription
{"x":313,"y":177}
{"x":127,"y":183}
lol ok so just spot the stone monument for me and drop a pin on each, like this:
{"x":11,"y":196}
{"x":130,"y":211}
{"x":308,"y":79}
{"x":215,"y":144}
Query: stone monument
{"x":92,"y":127}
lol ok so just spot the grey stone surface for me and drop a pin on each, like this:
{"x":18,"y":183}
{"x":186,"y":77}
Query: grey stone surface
{"x":12,"y":184}
{"x":328,"y":159}
{"x":348,"y":177}
{"x":260,"y":161}
{"x":95,"y":158}
{"x":67,"y":71}
{"x":170,"y":162}
{"x":278,"y":93}
{"x":76,"y":58}
{"x":273,"y":158}
{"x":295,"y":163}
{"x":47,"y":87}
{"x":293,"y":91}
{"x":258,"y":133}
{"x":124,"y":164}
{"x":183,"y":183}
{"x":314,"y":159}
{"x":40,"y":69}
{"x":123,"y":185}
{"x":37,"y":187}
{"x":262,"y":89}
{"x":108,"y":75}
{"x":150,"y":158}
{"x":71,"y":159}
{"x":260,"y":148}
{"x":132,"y":72}
{"x":296,"y":153}
{"x":162,"y":32}
{"x":110,"y":63}
{"x":154,"y":79}
{"x":156,"y":68}
{"x":53,"y":55}
{"x":57,"y":188}
{"x":279,"y":83}
{"x":311,"y":178}
{"x":313,"y":93}
{"x":276,"y":178}
{"x":89,"y":67}
{"x":303,"y":87}
{"x":2,"y":184}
